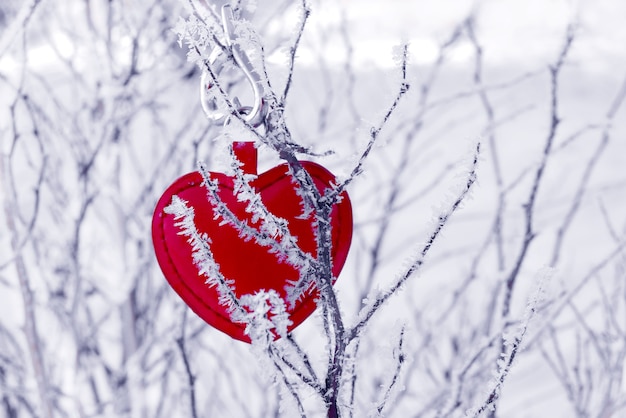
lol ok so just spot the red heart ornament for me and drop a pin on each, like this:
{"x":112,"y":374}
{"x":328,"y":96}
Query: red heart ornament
{"x":248,"y":264}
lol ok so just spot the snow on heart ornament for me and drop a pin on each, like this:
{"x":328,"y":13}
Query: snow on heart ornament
{"x":248,"y":265}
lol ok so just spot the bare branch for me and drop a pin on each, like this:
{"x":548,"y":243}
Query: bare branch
{"x":400,"y":356}
{"x":191,"y":379}
{"x":582,"y":186}
{"x":514,"y":348}
{"x":368,"y":311}
{"x":375,"y":131}
{"x":529,"y":206}
{"x":293,"y":49}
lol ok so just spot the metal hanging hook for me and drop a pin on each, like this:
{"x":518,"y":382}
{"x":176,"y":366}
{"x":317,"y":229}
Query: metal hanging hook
{"x":255,"y":114}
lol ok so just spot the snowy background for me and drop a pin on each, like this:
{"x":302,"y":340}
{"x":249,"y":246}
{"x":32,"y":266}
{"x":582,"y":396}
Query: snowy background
{"x":100,"y":112}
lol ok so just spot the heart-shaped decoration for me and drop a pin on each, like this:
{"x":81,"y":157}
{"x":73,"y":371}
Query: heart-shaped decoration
{"x":250,"y":266}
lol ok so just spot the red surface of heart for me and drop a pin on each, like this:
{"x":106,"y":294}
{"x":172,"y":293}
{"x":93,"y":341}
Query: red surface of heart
{"x":248,"y":264}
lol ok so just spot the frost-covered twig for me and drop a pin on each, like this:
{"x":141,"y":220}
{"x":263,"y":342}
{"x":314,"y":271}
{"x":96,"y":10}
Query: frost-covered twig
{"x":374,"y":303}
{"x":266,"y":313}
{"x":376,"y":130}
{"x":272,"y":230}
{"x":459,"y":378}
{"x":351,"y":360}
{"x":293,"y":49}
{"x":292,"y":389}
{"x":400,"y":356}
{"x":529,"y":206}
{"x":616,"y":104}
{"x":562,"y":300}
{"x":491,"y":136}
{"x":310,"y":379}
{"x":203,"y":257}
{"x":302,"y":355}
{"x":191,"y":379}
{"x":514,"y":346}
{"x":263,"y":313}
{"x":269,"y":233}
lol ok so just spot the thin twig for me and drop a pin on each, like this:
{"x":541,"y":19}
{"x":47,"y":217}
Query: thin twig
{"x":401,"y":358}
{"x":582,"y":186}
{"x":306,"y":12}
{"x":191,"y":379}
{"x":529,"y":206}
{"x":515,"y":347}
{"x":376,"y":130}
{"x":368,"y":311}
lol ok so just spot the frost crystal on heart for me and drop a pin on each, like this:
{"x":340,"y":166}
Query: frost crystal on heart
{"x":262,"y":312}
{"x":201,"y":251}
{"x":269,"y":231}
{"x":267,"y":312}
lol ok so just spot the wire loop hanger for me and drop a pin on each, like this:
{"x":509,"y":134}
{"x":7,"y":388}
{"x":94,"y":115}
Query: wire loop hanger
{"x":255,"y":114}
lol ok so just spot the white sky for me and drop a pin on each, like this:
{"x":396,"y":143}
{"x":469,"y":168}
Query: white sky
{"x":512,"y":31}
